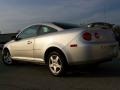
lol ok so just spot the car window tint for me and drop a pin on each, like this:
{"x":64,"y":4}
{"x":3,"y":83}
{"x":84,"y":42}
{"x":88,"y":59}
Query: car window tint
{"x":46,"y":29}
{"x":29,"y":32}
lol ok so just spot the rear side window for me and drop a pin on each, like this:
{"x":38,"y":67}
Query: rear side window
{"x":46,"y":29}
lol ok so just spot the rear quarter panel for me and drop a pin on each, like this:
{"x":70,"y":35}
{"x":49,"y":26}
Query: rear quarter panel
{"x":60,"y":40}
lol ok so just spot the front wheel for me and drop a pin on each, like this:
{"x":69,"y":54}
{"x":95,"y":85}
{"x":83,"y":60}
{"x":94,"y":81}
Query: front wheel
{"x":7,"y":58}
{"x":56,"y":63}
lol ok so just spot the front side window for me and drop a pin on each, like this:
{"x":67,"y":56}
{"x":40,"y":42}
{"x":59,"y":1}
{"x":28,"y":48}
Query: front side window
{"x":29,"y":32}
{"x":46,"y":29}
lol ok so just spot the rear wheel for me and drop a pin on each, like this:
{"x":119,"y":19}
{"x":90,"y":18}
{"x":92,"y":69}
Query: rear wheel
{"x":7,"y":58}
{"x":56,"y":63}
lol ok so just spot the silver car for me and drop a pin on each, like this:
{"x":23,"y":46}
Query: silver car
{"x":59,"y":45}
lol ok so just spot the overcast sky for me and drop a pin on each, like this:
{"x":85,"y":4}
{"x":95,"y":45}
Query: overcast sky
{"x":16,"y":14}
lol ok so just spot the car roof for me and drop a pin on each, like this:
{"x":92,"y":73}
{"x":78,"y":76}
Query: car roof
{"x":50,"y":24}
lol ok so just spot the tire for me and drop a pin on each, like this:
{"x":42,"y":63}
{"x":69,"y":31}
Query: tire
{"x":6,"y":58}
{"x":57,"y":63}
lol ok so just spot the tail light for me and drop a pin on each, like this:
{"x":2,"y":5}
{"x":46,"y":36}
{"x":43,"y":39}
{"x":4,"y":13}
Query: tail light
{"x":87,"y":36}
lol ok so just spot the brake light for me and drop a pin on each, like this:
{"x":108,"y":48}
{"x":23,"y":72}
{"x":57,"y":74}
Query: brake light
{"x":87,"y":36}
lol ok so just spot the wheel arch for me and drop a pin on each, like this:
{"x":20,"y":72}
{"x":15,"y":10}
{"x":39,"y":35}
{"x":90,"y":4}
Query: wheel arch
{"x":50,"y":49}
{"x":3,"y":51}
{"x":6,"y":49}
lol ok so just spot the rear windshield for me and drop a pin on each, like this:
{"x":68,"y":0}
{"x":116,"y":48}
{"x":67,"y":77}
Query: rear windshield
{"x":66,"y":25}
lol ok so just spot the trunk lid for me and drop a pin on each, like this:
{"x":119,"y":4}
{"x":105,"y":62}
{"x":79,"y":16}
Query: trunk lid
{"x":100,"y":35}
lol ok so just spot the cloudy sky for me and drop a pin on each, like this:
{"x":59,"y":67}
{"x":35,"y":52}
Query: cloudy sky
{"x":16,"y":14}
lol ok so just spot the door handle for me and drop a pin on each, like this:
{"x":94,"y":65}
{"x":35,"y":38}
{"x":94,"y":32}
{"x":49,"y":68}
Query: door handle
{"x":29,"y":42}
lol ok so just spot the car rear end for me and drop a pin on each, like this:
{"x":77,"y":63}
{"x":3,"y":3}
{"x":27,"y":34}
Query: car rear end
{"x":91,"y":46}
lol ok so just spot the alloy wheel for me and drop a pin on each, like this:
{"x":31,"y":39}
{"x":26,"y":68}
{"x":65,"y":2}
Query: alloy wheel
{"x":7,"y":58}
{"x":55,"y":64}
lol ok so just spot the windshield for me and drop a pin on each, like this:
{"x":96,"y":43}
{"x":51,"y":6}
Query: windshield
{"x":66,"y":25}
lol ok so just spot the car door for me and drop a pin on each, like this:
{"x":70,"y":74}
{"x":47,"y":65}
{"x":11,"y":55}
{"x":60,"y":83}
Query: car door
{"x":22,"y":48}
{"x":41,"y":42}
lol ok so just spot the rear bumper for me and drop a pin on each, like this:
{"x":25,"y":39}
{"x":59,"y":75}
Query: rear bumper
{"x":91,"y":53}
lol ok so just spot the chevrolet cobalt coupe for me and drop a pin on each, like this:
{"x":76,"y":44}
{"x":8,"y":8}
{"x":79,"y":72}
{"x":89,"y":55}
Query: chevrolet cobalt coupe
{"x":59,"y":45}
